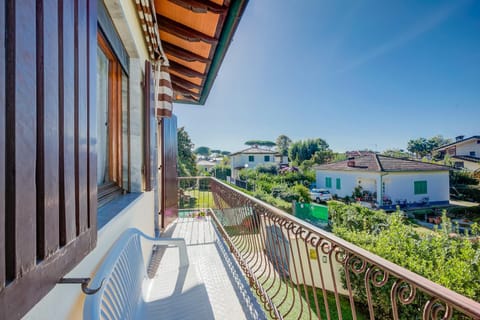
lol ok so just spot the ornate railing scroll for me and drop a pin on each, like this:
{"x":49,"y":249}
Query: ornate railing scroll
{"x":300,"y":271}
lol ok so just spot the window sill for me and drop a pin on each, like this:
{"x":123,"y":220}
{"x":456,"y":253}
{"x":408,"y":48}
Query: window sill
{"x":110,"y":210}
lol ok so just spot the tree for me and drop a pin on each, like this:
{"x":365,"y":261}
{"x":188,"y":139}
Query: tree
{"x":203,"y":151}
{"x":422,"y":146}
{"x":283,"y":142}
{"x":261,"y":143}
{"x":397,"y":153}
{"x":186,"y":158}
{"x":300,"y":151}
{"x":226,"y":153}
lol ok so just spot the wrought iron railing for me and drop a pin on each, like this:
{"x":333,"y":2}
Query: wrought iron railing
{"x":299,"y":271}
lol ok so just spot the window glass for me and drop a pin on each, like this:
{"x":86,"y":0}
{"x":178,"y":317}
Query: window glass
{"x":102,"y":118}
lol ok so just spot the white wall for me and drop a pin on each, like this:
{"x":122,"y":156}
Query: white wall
{"x":65,"y":301}
{"x":464,"y":149}
{"x":401,"y":186}
{"x":349,"y":180}
{"x":239,"y":160}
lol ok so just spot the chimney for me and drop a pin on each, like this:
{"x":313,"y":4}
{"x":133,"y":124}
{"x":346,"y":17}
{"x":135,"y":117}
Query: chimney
{"x":351,"y":162}
{"x":458,"y":138}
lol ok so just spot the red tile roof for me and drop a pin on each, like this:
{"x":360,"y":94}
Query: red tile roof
{"x":380,"y":163}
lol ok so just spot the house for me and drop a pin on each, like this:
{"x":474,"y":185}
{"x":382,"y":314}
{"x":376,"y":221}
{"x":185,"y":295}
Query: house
{"x":87,"y":132}
{"x":386,"y":181}
{"x":465,"y":152}
{"x":204,"y":166}
{"x":253,"y":157}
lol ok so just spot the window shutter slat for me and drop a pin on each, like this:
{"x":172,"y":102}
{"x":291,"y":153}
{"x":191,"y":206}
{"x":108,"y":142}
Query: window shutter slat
{"x":2,"y":147}
{"x":47,"y":128}
{"x":148,"y":102}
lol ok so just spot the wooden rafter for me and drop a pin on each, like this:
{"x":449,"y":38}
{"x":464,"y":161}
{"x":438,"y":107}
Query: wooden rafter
{"x":181,"y":53}
{"x":185,"y":92}
{"x":182,"y":31}
{"x":185,"y":70}
{"x":184,"y":83}
{"x":200,"y":6}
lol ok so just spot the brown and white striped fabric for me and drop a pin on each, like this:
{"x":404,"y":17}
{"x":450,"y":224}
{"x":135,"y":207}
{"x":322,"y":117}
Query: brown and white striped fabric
{"x":148,"y":22}
{"x":161,"y":74}
{"x":163,"y":90}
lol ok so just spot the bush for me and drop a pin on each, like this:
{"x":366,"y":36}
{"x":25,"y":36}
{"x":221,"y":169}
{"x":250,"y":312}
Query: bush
{"x":460,"y":177}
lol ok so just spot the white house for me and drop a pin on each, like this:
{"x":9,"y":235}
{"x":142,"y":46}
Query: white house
{"x":253,"y":157}
{"x":387,"y":181}
{"x":464,"y":151}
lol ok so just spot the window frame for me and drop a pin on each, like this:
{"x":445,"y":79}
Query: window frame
{"x":113,"y":187}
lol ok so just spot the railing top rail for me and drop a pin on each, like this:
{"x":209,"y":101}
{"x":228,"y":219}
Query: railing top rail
{"x":462,"y":303}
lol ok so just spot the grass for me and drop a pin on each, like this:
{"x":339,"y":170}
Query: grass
{"x":295,"y":308}
{"x":197,"y":199}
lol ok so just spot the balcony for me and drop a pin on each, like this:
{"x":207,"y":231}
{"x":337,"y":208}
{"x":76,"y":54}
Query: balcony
{"x":299,"y":271}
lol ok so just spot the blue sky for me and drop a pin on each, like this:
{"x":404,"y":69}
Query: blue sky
{"x":360,"y":74}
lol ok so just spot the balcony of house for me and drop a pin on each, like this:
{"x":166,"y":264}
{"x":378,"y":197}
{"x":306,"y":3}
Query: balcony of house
{"x":296,"y":270}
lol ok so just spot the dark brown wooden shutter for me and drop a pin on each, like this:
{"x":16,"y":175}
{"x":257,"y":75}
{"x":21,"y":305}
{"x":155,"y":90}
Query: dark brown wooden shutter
{"x":169,"y":183}
{"x":47,"y":135}
{"x":147,"y":116}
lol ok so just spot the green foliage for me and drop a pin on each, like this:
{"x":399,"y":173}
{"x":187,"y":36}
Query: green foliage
{"x":260,"y":143}
{"x":310,"y":149}
{"x":422,"y":146}
{"x":221,"y":171}
{"x":396,"y":153}
{"x":203,"y":151}
{"x":267,"y":168}
{"x":451,"y":262}
{"x":186,"y":158}
{"x":283,"y":142}
{"x":458,"y":177}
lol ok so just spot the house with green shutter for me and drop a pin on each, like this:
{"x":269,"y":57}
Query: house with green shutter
{"x":386,"y":182}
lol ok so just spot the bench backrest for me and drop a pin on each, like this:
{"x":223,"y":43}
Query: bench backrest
{"x":123,"y":271}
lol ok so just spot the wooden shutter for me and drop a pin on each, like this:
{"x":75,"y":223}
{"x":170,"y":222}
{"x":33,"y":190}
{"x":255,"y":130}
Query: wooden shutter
{"x":47,"y":133}
{"x":148,"y":115}
{"x":169,"y":181}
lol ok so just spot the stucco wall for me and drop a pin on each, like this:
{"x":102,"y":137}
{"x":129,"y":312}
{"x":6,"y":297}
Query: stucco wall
{"x":401,"y":186}
{"x":398,"y":186}
{"x":464,"y":149}
{"x":349,"y":180}
{"x":65,"y":301}
{"x":240,"y":160}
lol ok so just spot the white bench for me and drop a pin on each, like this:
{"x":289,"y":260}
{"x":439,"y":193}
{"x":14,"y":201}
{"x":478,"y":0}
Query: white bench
{"x":128,"y":293}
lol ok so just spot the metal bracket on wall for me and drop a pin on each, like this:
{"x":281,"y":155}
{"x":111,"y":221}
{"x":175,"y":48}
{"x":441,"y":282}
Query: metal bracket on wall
{"x":84,"y":282}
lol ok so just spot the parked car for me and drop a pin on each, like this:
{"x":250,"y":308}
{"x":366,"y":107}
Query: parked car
{"x":319,"y":195}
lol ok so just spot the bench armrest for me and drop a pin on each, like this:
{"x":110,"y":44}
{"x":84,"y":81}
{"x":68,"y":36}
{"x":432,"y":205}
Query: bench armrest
{"x":178,"y":242}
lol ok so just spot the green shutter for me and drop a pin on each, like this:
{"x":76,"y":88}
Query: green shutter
{"x":328,"y":182}
{"x":338,"y":184}
{"x":267,"y":158}
{"x":420,"y":187}
{"x":251,"y":158}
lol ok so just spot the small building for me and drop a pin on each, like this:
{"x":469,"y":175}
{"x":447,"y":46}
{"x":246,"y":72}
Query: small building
{"x":465,"y":152}
{"x":253,"y":157}
{"x":386,"y":181}
{"x":205,"y":166}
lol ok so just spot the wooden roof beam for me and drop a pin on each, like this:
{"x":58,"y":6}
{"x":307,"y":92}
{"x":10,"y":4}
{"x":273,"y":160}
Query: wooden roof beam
{"x":183,"y":91}
{"x":175,"y":66}
{"x":200,"y":6}
{"x":182,"y":31}
{"x":184,"y":83}
{"x":182,"y":53}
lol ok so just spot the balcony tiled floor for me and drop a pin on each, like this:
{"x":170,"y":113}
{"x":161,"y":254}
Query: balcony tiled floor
{"x":227,"y":290}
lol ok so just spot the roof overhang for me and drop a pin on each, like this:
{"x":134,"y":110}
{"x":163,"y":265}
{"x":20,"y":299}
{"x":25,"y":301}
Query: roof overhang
{"x":195,"y":35}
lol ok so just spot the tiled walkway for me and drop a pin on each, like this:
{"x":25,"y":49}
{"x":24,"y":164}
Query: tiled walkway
{"x":225,"y":287}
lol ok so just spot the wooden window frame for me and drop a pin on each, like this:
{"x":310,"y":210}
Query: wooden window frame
{"x":111,"y":189}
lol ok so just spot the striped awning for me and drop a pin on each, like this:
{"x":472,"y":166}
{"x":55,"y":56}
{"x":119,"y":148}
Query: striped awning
{"x":161,"y":74}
